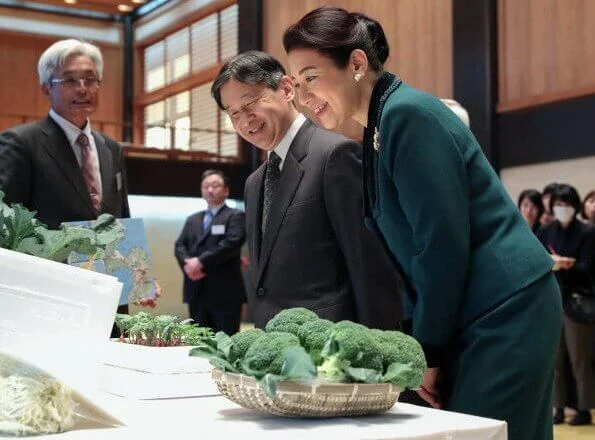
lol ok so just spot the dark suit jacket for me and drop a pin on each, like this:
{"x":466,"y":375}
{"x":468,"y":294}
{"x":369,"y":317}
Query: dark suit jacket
{"x":578,"y":241}
{"x":219,"y":254}
{"x":39,"y":169}
{"x":317,"y":252}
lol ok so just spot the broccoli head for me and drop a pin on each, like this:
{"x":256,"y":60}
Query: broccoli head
{"x":397,"y":347}
{"x":265,"y":355}
{"x":241,"y":341}
{"x":313,"y":335}
{"x":347,"y":324}
{"x":349,"y":346}
{"x":289,"y":320}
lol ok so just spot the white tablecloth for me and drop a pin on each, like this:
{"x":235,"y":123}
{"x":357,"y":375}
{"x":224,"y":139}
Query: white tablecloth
{"x":218,"y":418}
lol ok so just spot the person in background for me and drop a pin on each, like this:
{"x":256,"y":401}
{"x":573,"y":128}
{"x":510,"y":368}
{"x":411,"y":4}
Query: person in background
{"x":306,"y":238}
{"x":588,"y":209}
{"x":572,"y":247}
{"x":547,"y":217}
{"x":208,"y":252}
{"x":530,"y":205}
{"x":59,"y":166}
{"x":458,"y":110}
{"x":480,"y":283}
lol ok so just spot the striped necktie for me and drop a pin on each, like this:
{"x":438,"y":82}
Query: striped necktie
{"x":90,"y":171}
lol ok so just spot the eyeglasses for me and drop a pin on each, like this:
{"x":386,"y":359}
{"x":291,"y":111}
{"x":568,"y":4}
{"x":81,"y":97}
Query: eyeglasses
{"x":89,"y":82}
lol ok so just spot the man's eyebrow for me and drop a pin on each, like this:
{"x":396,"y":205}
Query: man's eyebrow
{"x":244,"y":96}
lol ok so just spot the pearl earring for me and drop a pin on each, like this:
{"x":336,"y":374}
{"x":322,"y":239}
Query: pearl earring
{"x":357,"y":77}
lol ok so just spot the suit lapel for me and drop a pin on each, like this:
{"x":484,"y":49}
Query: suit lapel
{"x":57,"y":146}
{"x":106,"y":171}
{"x":291,"y":177}
{"x":254,"y":210}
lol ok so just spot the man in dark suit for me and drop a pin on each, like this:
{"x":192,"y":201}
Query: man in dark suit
{"x":59,"y":166}
{"x":208,"y":251}
{"x":306,"y":236}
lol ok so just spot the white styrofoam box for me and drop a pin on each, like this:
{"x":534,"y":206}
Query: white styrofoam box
{"x":156,"y":360}
{"x":144,"y":385}
{"x":43,"y":299}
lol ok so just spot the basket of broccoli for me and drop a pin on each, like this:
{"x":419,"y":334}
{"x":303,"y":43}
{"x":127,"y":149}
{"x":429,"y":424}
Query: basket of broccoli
{"x":304,"y":366}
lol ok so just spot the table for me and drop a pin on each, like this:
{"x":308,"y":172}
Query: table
{"x":217,"y":417}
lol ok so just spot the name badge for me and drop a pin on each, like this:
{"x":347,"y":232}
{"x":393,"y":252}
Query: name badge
{"x":118,"y":181}
{"x":217,"y":229}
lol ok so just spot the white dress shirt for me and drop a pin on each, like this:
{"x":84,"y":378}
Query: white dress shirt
{"x":285,"y":143}
{"x":72,"y":133}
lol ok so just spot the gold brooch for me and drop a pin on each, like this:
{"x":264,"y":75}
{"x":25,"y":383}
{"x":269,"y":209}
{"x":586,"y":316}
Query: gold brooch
{"x":376,"y":140}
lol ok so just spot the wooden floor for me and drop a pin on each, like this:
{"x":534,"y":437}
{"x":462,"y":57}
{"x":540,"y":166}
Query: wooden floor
{"x":567,"y":432}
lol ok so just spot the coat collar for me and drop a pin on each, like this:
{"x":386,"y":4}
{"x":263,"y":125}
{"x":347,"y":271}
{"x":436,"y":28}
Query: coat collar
{"x":386,"y":84}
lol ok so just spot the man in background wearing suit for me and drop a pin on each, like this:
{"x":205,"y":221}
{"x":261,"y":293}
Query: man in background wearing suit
{"x":59,"y":166}
{"x":306,"y":236}
{"x":208,"y":251}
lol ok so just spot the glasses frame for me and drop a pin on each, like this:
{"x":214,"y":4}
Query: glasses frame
{"x":72,"y":83}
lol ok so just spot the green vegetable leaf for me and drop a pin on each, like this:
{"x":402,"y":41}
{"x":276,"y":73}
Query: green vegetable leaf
{"x":223,"y":365}
{"x":365,"y":375}
{"x":215,"y":357}
{"x":402,"y":375}
{"x":269,"y":384}
{"x":297,"y":364}
{"x":224,"y":343}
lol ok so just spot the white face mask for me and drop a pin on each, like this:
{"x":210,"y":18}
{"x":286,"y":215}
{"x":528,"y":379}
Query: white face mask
{"x":564,"y":214}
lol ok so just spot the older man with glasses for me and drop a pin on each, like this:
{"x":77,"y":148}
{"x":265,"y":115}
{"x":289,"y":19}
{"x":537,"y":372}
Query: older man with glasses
{"x":59,"y":166}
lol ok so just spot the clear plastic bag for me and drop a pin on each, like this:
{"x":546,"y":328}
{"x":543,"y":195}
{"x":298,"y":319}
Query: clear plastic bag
{"x":33,"y":402}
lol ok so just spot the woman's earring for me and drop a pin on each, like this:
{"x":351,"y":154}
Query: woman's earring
{"x":357,"y":77}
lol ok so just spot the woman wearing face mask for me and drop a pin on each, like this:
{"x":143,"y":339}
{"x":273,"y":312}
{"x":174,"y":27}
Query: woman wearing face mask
{"x":572,"y":246}
{"x":485,"y":304}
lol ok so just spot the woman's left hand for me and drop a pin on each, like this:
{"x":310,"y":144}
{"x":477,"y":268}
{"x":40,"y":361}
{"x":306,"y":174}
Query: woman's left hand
{"x":429,"y":388}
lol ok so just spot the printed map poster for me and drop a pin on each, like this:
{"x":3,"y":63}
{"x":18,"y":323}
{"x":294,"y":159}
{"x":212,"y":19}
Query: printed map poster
{"x":129,"y":260}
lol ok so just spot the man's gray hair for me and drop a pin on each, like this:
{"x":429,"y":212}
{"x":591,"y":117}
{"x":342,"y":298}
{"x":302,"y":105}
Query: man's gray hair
{"x":56,"y":55}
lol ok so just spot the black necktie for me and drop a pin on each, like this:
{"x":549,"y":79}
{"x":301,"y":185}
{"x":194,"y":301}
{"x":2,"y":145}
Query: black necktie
{"x":271,"y":181}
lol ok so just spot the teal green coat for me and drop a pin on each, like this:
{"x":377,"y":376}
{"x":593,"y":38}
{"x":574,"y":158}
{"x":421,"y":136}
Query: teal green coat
{"x":461,"y":243}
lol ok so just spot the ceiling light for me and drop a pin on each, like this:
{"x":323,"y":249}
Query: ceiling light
{"x":124,"y":8}
{"x":139,"y":2}
{"x":70,"y":2}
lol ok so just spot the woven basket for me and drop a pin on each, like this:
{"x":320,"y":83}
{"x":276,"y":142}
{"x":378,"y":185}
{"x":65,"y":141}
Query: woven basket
{"x":295,"y":399}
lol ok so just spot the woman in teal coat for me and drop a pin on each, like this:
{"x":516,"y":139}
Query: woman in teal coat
{"x":484,"y":303}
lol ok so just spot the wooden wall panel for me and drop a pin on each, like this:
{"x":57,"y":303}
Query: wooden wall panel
{"x":546,"y":51}
{"x":21,"y":96}
{"x":419,"y":34}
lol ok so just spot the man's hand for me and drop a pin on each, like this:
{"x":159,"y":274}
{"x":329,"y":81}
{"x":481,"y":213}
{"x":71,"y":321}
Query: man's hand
{"x":193,"y":268}
{"x":429,"y":388}
{"x":562,"y":263}
{"x":151,"y":302}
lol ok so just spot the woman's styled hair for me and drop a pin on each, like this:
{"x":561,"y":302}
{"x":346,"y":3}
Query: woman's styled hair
{"x":336,"y":33}
{"x":56,"y":55}
{"x":566,"y":193}
{"x":534,"y":197}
